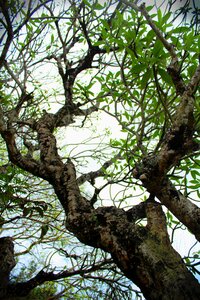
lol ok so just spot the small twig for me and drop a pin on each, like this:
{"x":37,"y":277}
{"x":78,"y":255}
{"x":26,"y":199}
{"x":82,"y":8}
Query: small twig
{"x":99,"y":173}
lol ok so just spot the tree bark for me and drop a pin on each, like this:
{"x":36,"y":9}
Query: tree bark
{"x":7,"y":263}
{"x":143,"y":253}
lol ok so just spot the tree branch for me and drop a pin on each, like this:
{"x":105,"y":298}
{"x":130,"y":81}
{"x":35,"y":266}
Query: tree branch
{"x":194,"y":82}
{"x":4,"y":8}
{"x":182,"y":208}
{"x":23,"y":288}
{"x":91,"y":176}
{"x":28,"y":164}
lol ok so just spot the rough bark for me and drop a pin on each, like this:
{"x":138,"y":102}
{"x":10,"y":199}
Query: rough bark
{"x":7,"y":263}
{"x":143,"y":253}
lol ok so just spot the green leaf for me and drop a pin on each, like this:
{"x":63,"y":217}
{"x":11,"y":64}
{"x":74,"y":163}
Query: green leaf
{"x":181,"y":29}
{"x":87,"y":3}
{"x":189,"y":40}
{"x":159,"y":14}
{"x":26,"y":211}
{"x":191,"y":69}
{"x":195,"y":174}
{"x":149,"y":37}
{"x":194,"y":187}
{"x":165,"y":76}
{"x":105,"y":24}
{"x":138,"y":68}
{"x":148,"y":8}
{"x":39,"y":210}
{"x":98,"y":6}
{"x":187,"y":260}
{"x":44,"y":229}
{"x":166,"y":17}
{"x":158,"y":46}
{"x":145,"y":78}
{"x":119,"y":17}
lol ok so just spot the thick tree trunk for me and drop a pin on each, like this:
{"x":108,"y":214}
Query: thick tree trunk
{"x":161,"y":274}
{"x":143,"y":253}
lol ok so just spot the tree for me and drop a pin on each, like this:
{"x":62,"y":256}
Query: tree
{"x":64,"y":64}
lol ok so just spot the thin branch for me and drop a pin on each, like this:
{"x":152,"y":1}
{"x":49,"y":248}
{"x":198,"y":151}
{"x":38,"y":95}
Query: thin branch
{"x":4,"y":8}
{"x":91,"y":176}
{"x":14,"y":77}
{"x":29,"y":15}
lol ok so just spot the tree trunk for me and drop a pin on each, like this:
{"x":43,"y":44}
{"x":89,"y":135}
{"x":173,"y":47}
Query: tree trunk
{"x":7,"y":263}
{"x":143,"y":253}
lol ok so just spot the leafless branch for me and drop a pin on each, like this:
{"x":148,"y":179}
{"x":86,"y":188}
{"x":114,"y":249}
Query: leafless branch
{"x":99,"y":173}
{"x":23,"y":288}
